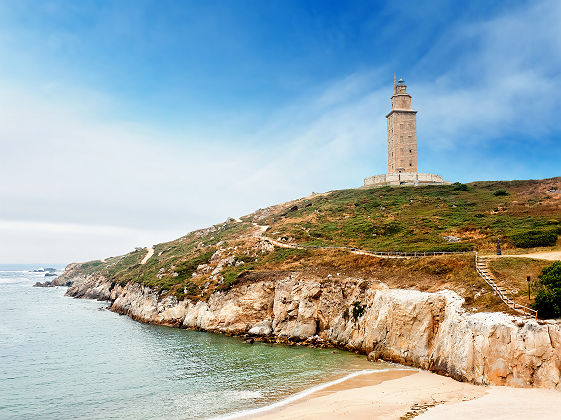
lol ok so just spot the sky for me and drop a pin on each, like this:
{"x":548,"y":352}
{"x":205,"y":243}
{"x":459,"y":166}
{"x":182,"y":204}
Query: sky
{"x":128,"y":123}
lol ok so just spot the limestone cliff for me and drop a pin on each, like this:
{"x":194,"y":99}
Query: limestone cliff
{"x":427,"y":330}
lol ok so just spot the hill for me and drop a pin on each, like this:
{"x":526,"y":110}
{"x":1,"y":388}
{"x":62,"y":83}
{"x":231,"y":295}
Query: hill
{"x":526,"y":215}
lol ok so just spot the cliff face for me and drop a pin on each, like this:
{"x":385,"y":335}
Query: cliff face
{"x":426,"y":330}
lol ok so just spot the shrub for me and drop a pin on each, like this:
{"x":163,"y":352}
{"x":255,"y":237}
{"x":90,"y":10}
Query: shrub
{"x":233,"y":276}
{"x":499,"y":193}
{"x":284,"y":254}
{"x":533,"y":238}
{"x":179,"y":293}
{"x":392,"y":228}
{"x":551,"y":276}
{"x":548,"y":303}
{"x":191,"y":288}
{"x":358,"y":310}
{"x":458,"y":186}
{"x":548,"y":297}
{"x":185,"y":269}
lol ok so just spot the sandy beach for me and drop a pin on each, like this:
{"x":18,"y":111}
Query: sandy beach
{"x":404,"y":394}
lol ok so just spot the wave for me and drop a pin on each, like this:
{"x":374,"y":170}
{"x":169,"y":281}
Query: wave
{"x":300,"y":395}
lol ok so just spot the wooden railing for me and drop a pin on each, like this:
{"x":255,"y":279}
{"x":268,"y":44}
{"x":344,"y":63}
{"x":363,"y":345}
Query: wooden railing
{"x":392,"y":254}
{"x":480,"y":266}
{"x":483,"y":271}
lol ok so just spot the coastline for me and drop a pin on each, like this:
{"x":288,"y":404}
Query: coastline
{"x":346,"y":382}
{"x":427,"y":330}
{"x":408,"y":393}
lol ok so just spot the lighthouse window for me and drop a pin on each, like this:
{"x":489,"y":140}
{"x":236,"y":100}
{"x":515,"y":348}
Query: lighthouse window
{"x":410,"y":151}
{"x":410,"y":164}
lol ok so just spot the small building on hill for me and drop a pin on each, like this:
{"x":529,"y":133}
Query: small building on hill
{"x":402,"y":145}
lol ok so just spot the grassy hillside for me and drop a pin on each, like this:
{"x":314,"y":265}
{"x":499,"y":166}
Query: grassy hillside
{"x":455,"y":217}
{"x":419,"y":219}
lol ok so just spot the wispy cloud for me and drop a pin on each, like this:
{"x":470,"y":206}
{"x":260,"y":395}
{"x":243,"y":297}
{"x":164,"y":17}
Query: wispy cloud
{"x":502,"y":81}
{"x":72,"y":175}
{"x":64,"y":228}
{"x":33,"y":241}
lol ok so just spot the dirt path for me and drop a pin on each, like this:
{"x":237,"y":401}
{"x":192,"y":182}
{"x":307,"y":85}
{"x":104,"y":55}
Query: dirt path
{"x":263,"y":228}
{"x":148,"y":255}
{"x":551,"y":255}
{"x":546,"y":255}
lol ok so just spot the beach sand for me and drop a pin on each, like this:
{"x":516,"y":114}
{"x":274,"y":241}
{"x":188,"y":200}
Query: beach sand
{"x":404,"y":394}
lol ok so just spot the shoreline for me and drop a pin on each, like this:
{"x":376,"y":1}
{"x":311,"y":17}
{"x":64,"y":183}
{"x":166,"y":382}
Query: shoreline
{"x":309,"y":393}
{"x":407,"y":393}
{"x":427,"y":330}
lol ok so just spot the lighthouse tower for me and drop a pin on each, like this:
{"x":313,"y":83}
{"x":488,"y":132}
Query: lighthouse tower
{"x":402,"y":131}
{"x":402,"y":145}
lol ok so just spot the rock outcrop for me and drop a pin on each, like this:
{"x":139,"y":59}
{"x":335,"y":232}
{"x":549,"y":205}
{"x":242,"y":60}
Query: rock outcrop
{"x":427,"y":330}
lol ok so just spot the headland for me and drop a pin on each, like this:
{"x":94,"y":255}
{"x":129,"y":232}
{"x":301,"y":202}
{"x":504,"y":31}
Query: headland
{"x":301,"y":273}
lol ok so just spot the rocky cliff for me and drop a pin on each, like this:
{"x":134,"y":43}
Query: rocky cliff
{"x":427,"y":330}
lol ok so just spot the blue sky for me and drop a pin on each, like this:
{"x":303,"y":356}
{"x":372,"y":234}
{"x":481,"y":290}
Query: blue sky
{"x":131,"y":122}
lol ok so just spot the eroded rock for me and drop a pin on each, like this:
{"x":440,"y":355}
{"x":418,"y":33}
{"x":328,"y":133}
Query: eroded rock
{"x":426,"y":330}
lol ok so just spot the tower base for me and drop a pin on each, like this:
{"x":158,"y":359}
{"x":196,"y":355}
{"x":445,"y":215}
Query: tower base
{"x":405,"y":179}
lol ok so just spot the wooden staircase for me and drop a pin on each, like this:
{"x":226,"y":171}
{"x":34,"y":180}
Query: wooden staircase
{"x":482,"y":267}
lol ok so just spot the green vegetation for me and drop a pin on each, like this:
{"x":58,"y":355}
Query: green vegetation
{"x":500,"y":193}
{"x":512,"y":273}
{"x":421,"y":218}
{"x":185,"y":269}
{"x":358,"y":310}
{"x":232,"y":275}
{"x":458,"y":186}
{"x":535,"y":238}
{"x":171,"y":267}
{"x":457,"y":217}
{"x":548,"y":298}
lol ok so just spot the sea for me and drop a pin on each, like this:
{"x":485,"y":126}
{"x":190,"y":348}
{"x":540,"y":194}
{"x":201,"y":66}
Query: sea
{"x":65,"y":358}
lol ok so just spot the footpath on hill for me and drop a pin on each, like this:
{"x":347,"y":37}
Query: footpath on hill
{"x":263,"y":229}
{"x":147,"y":256}
{"x":480,"y":262}
{"x":546,"y":255}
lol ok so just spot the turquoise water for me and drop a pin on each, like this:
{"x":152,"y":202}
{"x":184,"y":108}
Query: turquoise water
{"x":66,"y":358}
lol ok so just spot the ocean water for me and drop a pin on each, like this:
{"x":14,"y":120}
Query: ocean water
{"x":63,"y":358}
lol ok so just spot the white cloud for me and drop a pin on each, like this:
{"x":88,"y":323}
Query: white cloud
{"x":78,"y":185}
{"x":43,"y":242}
{"x":499,"y":77}
{"x":69,"y":174}
{"x":64,"y":228}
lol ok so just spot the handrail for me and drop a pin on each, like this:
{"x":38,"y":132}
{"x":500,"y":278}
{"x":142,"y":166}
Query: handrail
{"x":524,"y":310}
{"x":395,"y":254}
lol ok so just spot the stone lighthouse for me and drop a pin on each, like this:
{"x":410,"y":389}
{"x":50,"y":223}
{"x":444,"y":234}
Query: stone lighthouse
{"x":402,"y":144}
{"x":402,"y":131}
